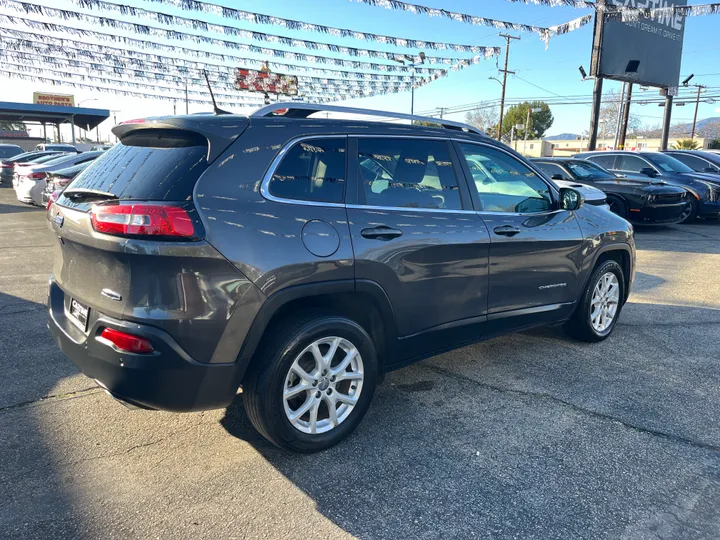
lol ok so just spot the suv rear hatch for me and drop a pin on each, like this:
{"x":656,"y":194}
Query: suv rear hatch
{"x":130,"y":242}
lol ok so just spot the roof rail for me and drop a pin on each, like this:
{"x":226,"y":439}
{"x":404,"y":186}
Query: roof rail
{"x":294,"y":109}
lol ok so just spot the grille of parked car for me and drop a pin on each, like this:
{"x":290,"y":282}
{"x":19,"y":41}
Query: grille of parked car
{"x":669,"y":198}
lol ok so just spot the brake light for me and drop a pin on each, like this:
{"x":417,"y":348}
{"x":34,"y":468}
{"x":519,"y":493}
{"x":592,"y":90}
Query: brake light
{"x":6,"y":165}
{"x":142,"y":220}
{"x":36,"y":176}
{"x":53,"y":198}
{"x":127,"y":342}
{"x":62,"y":181}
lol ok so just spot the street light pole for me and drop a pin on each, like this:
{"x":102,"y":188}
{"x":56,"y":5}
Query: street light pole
{"x":527,"y":124}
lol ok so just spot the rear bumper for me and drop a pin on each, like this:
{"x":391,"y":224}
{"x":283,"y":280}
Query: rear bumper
{"x":168,"y":379}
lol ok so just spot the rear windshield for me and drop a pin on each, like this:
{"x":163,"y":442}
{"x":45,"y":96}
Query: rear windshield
{"x":149,"y":164}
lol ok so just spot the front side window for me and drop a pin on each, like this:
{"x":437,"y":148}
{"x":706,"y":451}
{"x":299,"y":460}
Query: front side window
{"x":695,"y":163}
{"x":631,"y":164}
{"x":667,"y":163}
{"x":407,"y":173}
{"x":505,"y":184}
{"x":312,"y":170}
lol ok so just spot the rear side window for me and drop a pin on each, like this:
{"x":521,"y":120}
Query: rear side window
{"x":552,"y":170}
{"x":149,"y":164}
{"x":408,"y":173}
{"x":312,"y":170}
{"x":630,"y":163}
{"x":603,"y":161}
{"x":10,"y":151}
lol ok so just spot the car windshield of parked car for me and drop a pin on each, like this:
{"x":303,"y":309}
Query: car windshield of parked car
{"x":589,"y":171}
{"x":668,"y":164}
{"x":9,"y":151}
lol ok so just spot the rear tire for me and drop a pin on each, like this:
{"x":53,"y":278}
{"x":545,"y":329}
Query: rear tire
{"x":692,"y":214}
{"x":600,"y":305}
{"x":617,"y":206}
{"x":295,"y":371}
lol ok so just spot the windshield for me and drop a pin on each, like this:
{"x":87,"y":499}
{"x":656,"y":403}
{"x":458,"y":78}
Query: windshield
{"x":10,"y":151}
{"x":589,"y":171}
{"x":667,"y":164}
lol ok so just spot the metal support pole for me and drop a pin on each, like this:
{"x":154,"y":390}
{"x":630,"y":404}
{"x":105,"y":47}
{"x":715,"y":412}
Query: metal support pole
{"x":595,"y":72}
{"x":187,"y":104}
{"x":626,"y":117}
{"x":44,"y":132}
{"x":504,"y":83}
{"x":621,"y":106}
{"x":412,"y":93}
{"x":72,"y":128}
{"x":666,"y":122}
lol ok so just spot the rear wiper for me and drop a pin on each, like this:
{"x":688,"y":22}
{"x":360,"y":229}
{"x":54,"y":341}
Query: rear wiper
{"x":80,"y":193}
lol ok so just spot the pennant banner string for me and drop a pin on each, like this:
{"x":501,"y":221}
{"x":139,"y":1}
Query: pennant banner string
{"x":21,"y":53}
{"x":173,"y":35}
{"x":261,"y":19}
{"x":182,"y":63}
{"x":544,"y":33}
{"x":197,"y":25}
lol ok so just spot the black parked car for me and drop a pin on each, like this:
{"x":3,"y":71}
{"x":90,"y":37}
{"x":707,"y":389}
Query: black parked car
{"x":697,"y":160}
{"x":10,"y":150}
{"x":302,"y":258}
{"x":704,"y":188}
{"x":639,"y":200}
{"x":59,"y":180}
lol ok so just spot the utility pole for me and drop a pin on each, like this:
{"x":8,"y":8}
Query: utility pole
{"x":187,"y":106}
{"x":442,"y":111}
{"x":504,"y":83}
{"x":666,"y":120}
{"x":626,"y":117}
{"x":595,"y":71}
{"x":697,"y":105}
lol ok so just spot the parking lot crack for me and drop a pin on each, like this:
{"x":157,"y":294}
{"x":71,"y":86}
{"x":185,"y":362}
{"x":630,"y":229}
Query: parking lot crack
{"x":588,"y":412}
{"x":53,"y":397}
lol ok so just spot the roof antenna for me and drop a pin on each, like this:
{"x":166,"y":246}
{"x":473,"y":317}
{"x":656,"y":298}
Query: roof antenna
{"x":215,"y":107}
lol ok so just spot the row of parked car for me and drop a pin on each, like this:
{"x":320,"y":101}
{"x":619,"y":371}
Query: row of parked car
{"x":36,"y":175}
{"x":676,"y":186}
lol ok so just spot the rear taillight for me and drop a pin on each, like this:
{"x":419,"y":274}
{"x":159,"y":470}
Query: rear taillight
{"x":36,"y":175}
{"x":127,"y":342}
{"x":62,"y":181}
{"x":53,"y":198}
{"x":6,"y":165}
{"x":128,"y":219}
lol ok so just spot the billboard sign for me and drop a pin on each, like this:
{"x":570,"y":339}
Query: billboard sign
{"x":61,"y":100}
{"x":647,"y":50}
{"x":266,"y":82}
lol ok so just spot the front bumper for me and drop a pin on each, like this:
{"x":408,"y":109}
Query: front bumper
{"x":167,"y":379}
{"x":658,"y":213}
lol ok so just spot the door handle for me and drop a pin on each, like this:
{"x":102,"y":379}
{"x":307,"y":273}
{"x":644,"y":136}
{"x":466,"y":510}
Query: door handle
{"x":380,"y":233}
{"x":506,"y":230}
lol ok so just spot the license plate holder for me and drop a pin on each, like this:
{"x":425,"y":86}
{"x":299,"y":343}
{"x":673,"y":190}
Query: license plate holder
{"x":78,"y":314}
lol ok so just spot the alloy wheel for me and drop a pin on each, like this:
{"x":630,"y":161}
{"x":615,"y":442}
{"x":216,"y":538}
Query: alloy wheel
{"x":323,"y":385}
{"x":605,"y":302}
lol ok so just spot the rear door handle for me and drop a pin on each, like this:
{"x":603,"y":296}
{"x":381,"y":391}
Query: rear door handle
{"x":506,"y":230}
{"x":380,"y":233}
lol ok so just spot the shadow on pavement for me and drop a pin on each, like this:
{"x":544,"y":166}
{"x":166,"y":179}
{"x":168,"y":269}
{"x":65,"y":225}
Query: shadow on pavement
{"x":532,"y":435}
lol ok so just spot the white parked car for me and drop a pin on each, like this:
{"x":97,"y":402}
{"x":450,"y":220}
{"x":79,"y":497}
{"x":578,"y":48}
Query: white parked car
{"x":592,"y":195}
{"x":31,"y":179}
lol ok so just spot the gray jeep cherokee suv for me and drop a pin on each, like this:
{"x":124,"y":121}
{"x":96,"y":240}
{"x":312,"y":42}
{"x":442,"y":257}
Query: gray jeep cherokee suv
{"x":300,"y":259}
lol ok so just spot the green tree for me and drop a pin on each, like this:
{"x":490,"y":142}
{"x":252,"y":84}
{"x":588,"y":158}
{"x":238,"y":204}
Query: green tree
{"x":540,"y":121}
{"x":686,"y":144}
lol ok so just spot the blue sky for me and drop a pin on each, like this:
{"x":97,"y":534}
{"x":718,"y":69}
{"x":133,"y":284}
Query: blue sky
{"x":554,"y":70}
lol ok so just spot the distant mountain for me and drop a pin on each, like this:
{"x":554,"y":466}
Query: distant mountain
{"x":706,"y":124}
{"x":563,"y":137}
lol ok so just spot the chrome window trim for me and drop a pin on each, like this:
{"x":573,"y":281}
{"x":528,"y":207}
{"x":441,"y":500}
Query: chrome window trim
{"x":265,"y":184}
{"x":408,"y":209}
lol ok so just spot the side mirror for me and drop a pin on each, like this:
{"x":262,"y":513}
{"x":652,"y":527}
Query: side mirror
{"x":557,"y":176}
{"x":570,"y":199}
{"x":648,"y":171}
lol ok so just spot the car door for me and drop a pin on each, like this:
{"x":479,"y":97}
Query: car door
{"x":628,"y":163}
{"x":535,"y":247}
{"x":606,"y":161}
{"x":414,"y":232}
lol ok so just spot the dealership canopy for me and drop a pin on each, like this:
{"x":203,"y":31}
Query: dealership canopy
{"x":81,"y":117}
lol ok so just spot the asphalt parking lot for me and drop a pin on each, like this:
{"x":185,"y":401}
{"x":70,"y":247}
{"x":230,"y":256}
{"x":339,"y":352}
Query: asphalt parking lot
{"x":526,"y":436}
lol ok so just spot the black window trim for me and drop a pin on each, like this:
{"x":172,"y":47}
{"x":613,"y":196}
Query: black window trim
{"x":265,"y":184}
{"x":465,"y":196}
{"x":554,"y":193}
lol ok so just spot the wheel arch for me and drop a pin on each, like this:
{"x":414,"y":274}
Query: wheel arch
{"x":363,"y":301}
{"x":620,"y":253}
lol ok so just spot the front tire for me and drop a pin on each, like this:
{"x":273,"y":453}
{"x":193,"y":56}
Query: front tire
{"x":617,"y":206}
{"x":311,"y":384}
{"x":690,"y":214}
{"x":600,"y":305}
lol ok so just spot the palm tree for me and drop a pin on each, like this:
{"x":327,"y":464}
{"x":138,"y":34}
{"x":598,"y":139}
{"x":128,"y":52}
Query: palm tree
{"x":686,"y":144}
